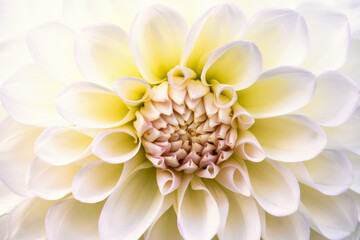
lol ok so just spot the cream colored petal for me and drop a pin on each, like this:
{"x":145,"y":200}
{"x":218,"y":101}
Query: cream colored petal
{"x":116,"y":145}
{"x":355,"y":163}
{"x":274,"y":187}
{"x":289,"y":138}
{"x":334,"y":217}
{"x":62,"y":145}
{"x":278,"y":91}
{"x":8,"y":199}
{"x":103,"y":54}
{"x":350,"y":68}
{"x":96,"y":181}
{"x":16,"y":153}
{"x":243,"y":219}
{"x":330,"y":172}
{"x":225,"y":95}
{"x":197,"y":221}
{"x":238,"y":64}
{"x":281,"y":35}
{"x":347,"y":134}
{"x":329,"y":33}
{"x":3,"y":225}
{"x":27,"y":220}
{"x":90,"y":105}
{"x":52,"y":47}
{"x":70,"y":219}
{"x":335,"y":100}
{"x":157,"y":39}
{"x":132,"y":207}
{"x":168,"y":180}
{"x":28,"y":96}
{"x":133,"y":91}
{"x":241,"y":118}
{"x":221,"y":24}
{"x":50,"y":182}
{"x":248,"y":147}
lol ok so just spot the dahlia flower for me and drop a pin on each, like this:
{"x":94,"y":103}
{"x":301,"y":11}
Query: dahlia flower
{"x":231,"y":121}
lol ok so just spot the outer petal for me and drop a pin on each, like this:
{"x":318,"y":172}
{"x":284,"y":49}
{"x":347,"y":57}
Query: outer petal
{"x":157,"y":39}
{"x":3,"y":225}
{"x":274,"y":187}
{"x":335,"y":99}
{"x":103,"y":54}
{"x":330,"y":172}
{"x":28,"y":96}
{"x":355,"y":163}
{"x":289,"y":138}
{"x":168,"y":180}
{"x":350,"y":67}
{"x":133,"y":91}
{"x":281,"y":35}
{"x":330,"y":37}
{"x":96,"y":181}
{"x":133,"y":206}
{"x":334,"y":217}
{"x":219,"y":25}
{"x":52,"y":47}
{"x":237,"y":63}
{"x":89,"y":105}
{"x":27,"y":220}
{"x":16,"y":152}
{"x":70,"y":219}
{"x":62,"y":145}
{"x":8,"y":199}
{"x":278,"y":91}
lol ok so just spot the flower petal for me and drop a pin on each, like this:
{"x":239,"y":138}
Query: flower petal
{"x":278,"y":91}
{"x":116,"y":145}
{"x":103,"y":54}
{"x":197,"y":221}
{"x":26,"y":221}
{"x":62,"y":145}
{"x":157,"y":39}
{"x":17,"y":150}
{"x":133,"y":91}
{"x":248,"y":147}
{"x":274,"y":187}
{"x":3,"y":226}
{"x":330,"y":172}
{"x":289,"y":138}
{"x":281,"y":35}
{"x":132,"y":207}
{"x":52,"y":47}
{"x":334,"y":217}
{"x":237,"y":63}
{"x":70,"y":219}
{"x":8,"y":199}
{"x":96,"y":181}
{"x":350,"y":68}
{"x":335,"y":100}
{"x":89,"y":105}
{"x":329,"y":32}
{"x":50,"y":182}
{"x":168,"y":180}
{"x":355,"y":163}
{"x":28,"y":96}
{"x":219,"y":25}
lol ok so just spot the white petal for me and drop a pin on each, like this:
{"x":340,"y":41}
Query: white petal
{"x":116,"y":145}
{"x":70,"y":219}
{"x":289,"y":138}
{"x":278,"y":91}
{"x":27,"y":220}
{"x":90,"y":105}
{"x":198,"y":212}
{"x":237,"y":63}
{"x":50,"y":182}
{"x":334,"y":217}
{"x":132,"y":207}
{"x":219,"y":25}
{"x":248,"y":147}
{"x":8,"y":199}
{"x":103,"y":54}
{"x":274,"y":187}
{"x":350,"y":68}
{"x":157,"y":39}
{"x":330,"y":172}
{"x":96,"y":181}
{"x":52,"y":47}
{"x":62,"y":145}
{"x":336,"y":98}
{"x":329,"y":33}
{"x":168,"y":180}
{"x":17,"y":150}
{"x":281,"y":35}
{"x":3,"y":226}
{"x":355,"y":163}
{"x":243,"y":219}
{"x":347,"y":134}
{"x":28,"y":96}
{"x":133,"y":91}
{"x":225,"y":95}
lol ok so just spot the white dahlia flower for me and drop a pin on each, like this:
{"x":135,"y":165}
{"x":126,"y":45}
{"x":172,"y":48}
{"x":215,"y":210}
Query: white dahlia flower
{"x":240,"y":122}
